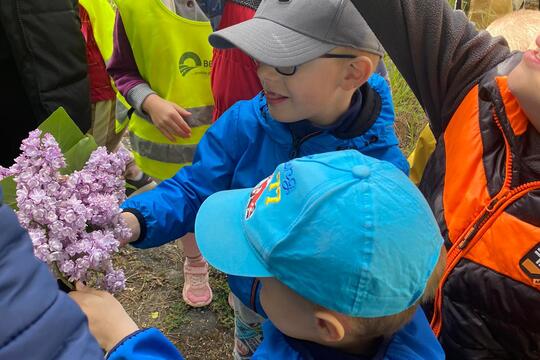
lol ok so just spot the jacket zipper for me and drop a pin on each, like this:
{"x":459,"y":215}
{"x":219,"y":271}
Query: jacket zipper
{"x":298,"y":142}
{"x":474,"y":232}
{"x":495,"y":207}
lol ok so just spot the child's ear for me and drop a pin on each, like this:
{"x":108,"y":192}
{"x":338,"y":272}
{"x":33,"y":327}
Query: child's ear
{"x":357,"y":72}
{"x":329,"y":327}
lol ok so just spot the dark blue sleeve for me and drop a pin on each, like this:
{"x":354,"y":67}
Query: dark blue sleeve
{"x":36,"y":318}
{"x":169,"y":210}
{"x":247,"y":290}
{"x":274,"y":346}
{"x":415,"y":341}
{"x":148,"y":344}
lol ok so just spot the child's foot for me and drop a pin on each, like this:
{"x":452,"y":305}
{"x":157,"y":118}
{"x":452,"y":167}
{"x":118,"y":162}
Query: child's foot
{"x":197,"y":291}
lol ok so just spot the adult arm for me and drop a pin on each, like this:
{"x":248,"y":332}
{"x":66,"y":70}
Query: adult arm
{"x":438,"y":51}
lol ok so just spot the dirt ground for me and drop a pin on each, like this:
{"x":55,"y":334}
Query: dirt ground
{"x":153,"y":297}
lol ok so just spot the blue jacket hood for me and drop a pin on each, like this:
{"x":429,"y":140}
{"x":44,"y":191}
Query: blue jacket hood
{"x":415,"y":341}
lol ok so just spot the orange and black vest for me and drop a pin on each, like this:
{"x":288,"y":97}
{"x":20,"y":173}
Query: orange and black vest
{"x":483,"y":184}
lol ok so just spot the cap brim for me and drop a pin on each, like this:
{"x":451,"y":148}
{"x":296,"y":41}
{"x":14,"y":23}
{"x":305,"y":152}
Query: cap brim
{"x":220,"y":235}
{"x":270,"y":43}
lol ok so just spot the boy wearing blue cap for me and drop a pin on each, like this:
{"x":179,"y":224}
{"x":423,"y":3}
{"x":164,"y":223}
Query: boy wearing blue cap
{"x":315,"y":61}
{"x":346,"y":248}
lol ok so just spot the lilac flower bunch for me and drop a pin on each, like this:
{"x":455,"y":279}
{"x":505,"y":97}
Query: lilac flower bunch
{"x":74,"y":220}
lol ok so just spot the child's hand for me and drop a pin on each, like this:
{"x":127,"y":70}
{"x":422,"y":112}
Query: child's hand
{"x":133,"y":223}
{"x":108,"y":321}
{"x":167,"y":116}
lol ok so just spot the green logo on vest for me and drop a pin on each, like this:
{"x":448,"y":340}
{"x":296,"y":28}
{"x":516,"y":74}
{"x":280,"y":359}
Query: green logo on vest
{"x":190,"y":61}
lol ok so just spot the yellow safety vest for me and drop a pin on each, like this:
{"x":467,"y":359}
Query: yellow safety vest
{"x":102,"y":17}
{"x":173,"y":55}
{"x":421,"y":153}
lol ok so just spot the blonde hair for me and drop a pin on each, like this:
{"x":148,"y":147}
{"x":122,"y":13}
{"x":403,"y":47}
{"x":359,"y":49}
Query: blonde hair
{"x":373,"y":58}
{"x":519,"y":28}
{"x":388,"y":325}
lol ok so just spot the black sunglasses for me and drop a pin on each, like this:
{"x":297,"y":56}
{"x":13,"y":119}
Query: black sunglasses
{"x":291,"y":70}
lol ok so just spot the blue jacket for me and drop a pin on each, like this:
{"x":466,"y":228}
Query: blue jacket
{"x":37,"y":321}
{"x":147,"y":344}
{"x":415,"y":341}
{"x":246,"y":145}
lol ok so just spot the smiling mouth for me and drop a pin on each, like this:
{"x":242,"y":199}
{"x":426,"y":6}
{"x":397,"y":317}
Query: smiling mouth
{"x":532,"y":57}
{"x":273,"y":99}
{"x":273,"y":96}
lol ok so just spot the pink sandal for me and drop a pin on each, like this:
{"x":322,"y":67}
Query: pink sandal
{"x":196,"y":291}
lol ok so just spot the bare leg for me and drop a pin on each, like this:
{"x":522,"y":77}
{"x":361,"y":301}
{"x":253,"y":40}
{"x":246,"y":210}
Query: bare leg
{"x":196,"y":291}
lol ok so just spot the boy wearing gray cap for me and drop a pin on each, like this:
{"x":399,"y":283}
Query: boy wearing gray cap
{"x":315,"y":60}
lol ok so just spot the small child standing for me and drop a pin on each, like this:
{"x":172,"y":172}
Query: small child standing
{"x":167,"y":83}
{"x":346,"y":249}
{"x":483,"y":180}
{"x":97,"y":22}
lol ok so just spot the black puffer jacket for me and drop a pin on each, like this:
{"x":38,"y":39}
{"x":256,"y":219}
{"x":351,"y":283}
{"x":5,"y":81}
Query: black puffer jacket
{"x":43,"y":65}
{"x":458,"y":74}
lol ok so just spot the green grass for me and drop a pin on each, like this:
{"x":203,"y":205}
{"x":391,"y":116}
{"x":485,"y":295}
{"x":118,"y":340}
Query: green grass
{"x":410,"y":118}
{"x":220,"y":305}
{"x":177,"y":316}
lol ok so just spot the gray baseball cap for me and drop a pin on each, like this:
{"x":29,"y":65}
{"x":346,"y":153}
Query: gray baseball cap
{"x":293,"y":32}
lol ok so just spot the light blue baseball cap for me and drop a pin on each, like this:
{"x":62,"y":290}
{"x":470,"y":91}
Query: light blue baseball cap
{"x":346,"y":231}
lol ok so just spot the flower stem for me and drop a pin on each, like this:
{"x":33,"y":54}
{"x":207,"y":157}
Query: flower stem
{"x":61,"y":277}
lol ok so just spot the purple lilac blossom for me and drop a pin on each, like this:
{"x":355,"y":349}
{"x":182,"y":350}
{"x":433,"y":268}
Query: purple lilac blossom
{"x":73,"y":220}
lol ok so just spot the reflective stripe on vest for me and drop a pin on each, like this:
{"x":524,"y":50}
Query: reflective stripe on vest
{"x":163,"y":160}
{"x":480,"y":229}
{"x":170,"y":153}
{"x":173,"y":156}
{"x":178,"y":72}
{"x":122,"y":112}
